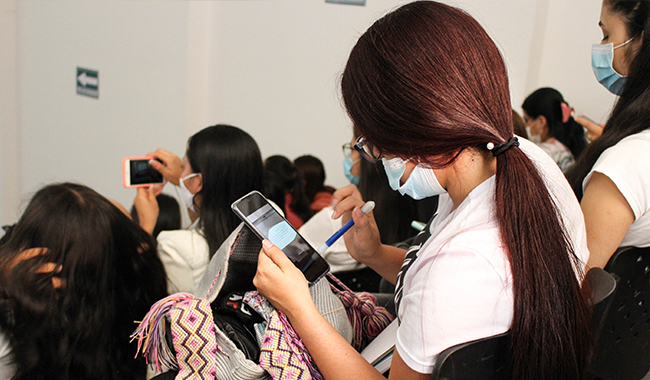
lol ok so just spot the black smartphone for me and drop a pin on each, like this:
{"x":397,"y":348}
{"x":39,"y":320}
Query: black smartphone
{"x":267,"y":223}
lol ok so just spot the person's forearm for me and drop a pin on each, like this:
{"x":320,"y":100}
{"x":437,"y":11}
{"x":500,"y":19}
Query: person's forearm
{"x":387,"y":262}
{"x":335,"y":358}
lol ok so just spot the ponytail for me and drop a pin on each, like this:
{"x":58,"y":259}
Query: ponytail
{"x":550,"y":321}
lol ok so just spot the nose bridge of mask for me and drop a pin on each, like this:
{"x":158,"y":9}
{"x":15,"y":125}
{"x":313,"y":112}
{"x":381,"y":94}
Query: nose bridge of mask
{"x":602,"y":55}
{"x":394,"y":168}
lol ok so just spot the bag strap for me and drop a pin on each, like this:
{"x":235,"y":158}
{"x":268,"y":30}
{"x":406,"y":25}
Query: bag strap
{"x":368,"y":320}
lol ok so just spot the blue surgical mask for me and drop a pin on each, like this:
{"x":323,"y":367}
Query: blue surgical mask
{"x":347,"y":167}
{"x":422,"y":183}
{"x":602,"y":57}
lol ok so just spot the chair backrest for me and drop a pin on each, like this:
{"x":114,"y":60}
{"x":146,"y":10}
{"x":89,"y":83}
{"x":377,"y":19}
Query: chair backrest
{"x":602,"y":287}
{"x":481,"y":359}
{"x":623,"y":346}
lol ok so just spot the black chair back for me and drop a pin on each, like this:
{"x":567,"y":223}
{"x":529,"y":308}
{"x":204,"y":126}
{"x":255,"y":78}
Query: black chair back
{"x":481,"y":359}
{"x":623,"y":346}
{"x":602,"y":287}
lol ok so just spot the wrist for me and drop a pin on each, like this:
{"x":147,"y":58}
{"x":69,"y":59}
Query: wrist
{"x":303,"y":312}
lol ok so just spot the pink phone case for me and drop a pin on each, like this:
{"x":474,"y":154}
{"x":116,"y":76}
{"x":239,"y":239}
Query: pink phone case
{"x":126,"y":171}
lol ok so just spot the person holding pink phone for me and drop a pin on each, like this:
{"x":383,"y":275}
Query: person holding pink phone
{"x":611,"y":177}
{"x":221,"y":164}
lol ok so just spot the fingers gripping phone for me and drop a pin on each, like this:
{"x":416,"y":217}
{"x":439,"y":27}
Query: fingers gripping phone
{"x":137,"y":172}
{"x":267,"y":223}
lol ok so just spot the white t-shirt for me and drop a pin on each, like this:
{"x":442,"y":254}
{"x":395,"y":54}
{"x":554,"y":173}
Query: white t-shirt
{"x":321,"y":227}
{"x":459,"y":288}
{"x":626,"y":164}
{"x":185,"y":255}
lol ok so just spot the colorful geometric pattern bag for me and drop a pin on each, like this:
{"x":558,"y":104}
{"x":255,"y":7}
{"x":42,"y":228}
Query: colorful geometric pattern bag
{"x":179,"y":332}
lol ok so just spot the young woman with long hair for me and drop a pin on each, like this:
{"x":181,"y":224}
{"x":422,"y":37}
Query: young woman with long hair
{"x":427,"y":91}
{"x":550,"y":125}
{"x":611,"y":177}
{"x":222,"y":163}
{"x":75,"y":273}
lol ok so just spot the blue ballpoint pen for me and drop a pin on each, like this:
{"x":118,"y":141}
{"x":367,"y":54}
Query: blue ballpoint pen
{"x":366,"y":208}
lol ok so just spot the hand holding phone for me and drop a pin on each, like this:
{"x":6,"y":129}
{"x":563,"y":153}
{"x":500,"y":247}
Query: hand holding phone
{"x":267,"y":223}
{"x":138,"y":172}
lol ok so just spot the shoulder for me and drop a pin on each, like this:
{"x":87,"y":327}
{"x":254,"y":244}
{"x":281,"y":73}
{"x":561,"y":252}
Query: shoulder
{"x":634,"y":148}
{"x":181,"y":241}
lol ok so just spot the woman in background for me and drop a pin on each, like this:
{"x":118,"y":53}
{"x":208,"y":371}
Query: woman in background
{"x":313,"y":176}
{"x":75,"y":273}
{"x":611,"y":177}
{"x":550,"y":125}
{"x":284,"y":186}
{"x":222,"y":163}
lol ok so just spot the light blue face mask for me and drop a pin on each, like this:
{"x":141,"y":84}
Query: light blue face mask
{"x":422,"y":183}
{"x":602,"y":57}
{"x":347,"y":167}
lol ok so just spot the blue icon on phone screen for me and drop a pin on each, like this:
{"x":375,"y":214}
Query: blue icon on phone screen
{"x":282,"y":234}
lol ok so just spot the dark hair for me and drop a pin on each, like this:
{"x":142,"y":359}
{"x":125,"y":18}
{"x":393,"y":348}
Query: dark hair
{"x":631,"y":114}
{"x":393,"y":212}
{"x":547,"y":102}
{"x":427,"y":82}
{"x":169,"y":216}
{"x":285,"y":175}
{"x":110,"y":273}
{"x":313,"y":175}
{"x":230,"y":163}
{"x":518,"y":125}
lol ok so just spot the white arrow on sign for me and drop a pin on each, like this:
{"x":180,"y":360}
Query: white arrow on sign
{"x":86,"y":80}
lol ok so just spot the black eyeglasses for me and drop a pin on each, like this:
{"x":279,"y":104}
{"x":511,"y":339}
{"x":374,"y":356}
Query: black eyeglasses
{"x":367,"y":150}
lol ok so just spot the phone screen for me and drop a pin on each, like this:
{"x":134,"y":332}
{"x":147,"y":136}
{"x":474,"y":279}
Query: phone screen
{"x":142,"y":173}
{"x":265,"y":220}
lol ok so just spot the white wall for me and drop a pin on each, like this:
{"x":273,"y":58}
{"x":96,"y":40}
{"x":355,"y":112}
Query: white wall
{"x":9,"y":173}
{"x":140,"y":50}
{"x":279,"y":65}
{"x":168,"y":69}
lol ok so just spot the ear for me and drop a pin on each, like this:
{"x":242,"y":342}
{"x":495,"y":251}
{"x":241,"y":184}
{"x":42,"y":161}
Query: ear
{"x":198,"y":183}
{"x":543,"y":120}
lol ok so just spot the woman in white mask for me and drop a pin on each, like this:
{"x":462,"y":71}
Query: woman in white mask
{"x":550,"y":125}
{"x":611,"y":178}
{"x":222,"y":163}
{"x":427,"y":91}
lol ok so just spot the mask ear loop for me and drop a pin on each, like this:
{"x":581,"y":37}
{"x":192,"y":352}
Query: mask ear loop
{"x":624,"y":43}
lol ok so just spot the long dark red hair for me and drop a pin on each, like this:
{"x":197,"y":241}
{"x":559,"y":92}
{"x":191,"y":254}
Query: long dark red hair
{"x":426,"y":80}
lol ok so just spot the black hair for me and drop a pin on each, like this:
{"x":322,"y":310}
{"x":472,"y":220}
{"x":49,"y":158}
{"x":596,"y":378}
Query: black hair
{"x":230,"y":164}
{"x":110,"y":276}
{"x":631,"y":113}
{"x":313,"y":175}
{"x":169,"y":216}
{"x":547,"y":102}
{"x":284,"y":174}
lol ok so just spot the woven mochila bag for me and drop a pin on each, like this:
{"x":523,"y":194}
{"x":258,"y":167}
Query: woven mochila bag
{"x":226,"y":330}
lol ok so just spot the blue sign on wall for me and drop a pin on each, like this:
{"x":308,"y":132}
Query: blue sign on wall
{"x":88,"y":82}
